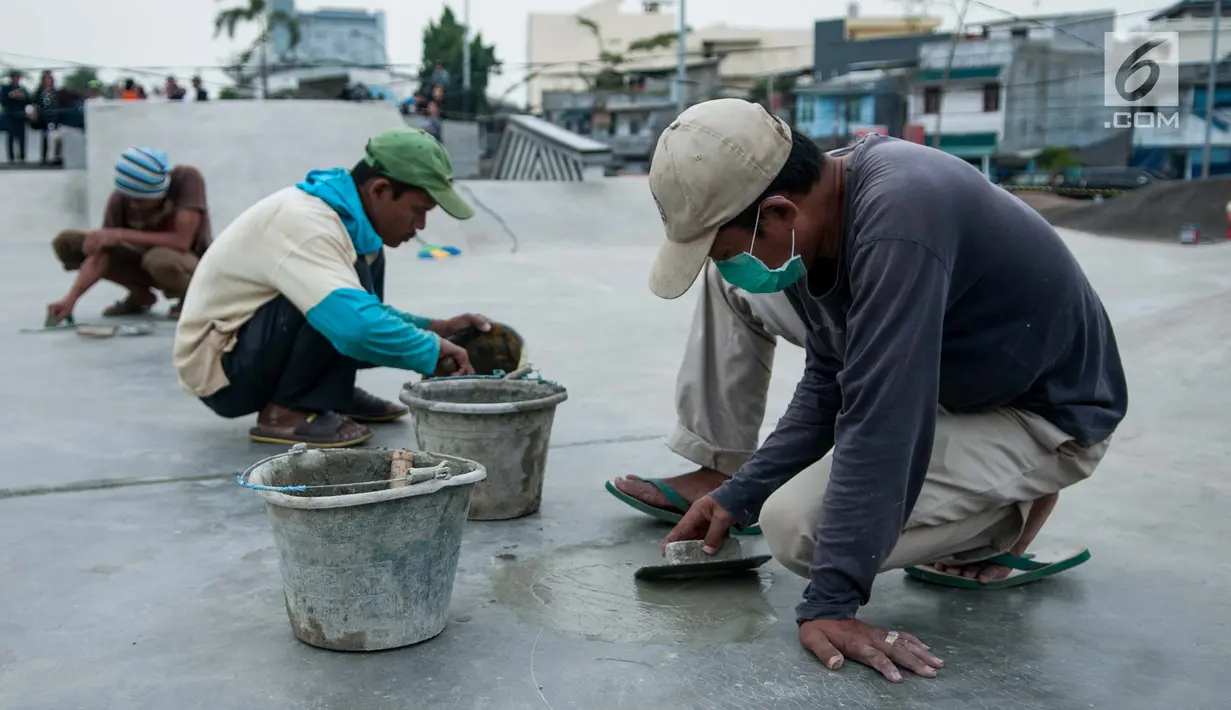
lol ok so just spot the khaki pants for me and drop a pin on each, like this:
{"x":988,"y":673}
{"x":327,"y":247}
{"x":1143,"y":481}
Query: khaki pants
{"x":163,"y":268}
{"x":723,"y":381}
{"x":985,"y":471}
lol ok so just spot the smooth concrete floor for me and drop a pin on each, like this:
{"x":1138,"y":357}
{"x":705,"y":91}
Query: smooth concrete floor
{"x":134,"y":573}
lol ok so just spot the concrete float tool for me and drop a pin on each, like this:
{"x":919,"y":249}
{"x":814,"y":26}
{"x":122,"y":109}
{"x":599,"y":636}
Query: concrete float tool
{"x":91,"y":330}
{"x":686,"y":560}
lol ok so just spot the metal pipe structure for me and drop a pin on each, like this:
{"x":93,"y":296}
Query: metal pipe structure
{"x":681,"y":69}
{"x":466,"y":57}
{"x":1211,"y":88}
{"x":944,"y":79}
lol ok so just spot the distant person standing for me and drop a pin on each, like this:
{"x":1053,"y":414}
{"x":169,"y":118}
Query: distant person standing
{"x":440,"y":77}
{"x":13,"y":102}
{"x":201,"y":93}
{"x":173,"y":90}
{"x":130,"y":91}
{"x":435,"y":125}
{"x":43,"y":119}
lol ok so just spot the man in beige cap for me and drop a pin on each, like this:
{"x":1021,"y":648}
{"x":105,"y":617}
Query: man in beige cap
{"x":960,"y":370}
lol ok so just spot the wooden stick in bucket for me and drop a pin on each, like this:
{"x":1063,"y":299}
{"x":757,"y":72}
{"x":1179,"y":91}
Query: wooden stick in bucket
{"x":399,"y":471}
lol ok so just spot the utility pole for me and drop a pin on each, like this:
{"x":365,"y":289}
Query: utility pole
{"x":681,"y":69}
{"x":944,"y":79}
{"x":264,"y":63}
{"x":1211,"y":87}
{"x":466,"y":58}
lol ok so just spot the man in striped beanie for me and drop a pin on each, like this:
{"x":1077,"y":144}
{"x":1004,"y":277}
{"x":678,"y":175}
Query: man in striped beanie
{"x":155,"y":228}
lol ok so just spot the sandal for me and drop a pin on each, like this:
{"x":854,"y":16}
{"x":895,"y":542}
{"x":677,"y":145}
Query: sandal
{"x":125,"y":307}
{"x":1026,"y":568}
{"x":325,"y":430}
{"x":367,"y":407}
{"x":667,"y":515}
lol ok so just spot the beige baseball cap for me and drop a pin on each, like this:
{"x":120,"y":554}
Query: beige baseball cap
{"x":710,"y":165}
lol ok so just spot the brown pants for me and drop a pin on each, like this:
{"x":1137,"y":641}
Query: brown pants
{"x":163,"y":268}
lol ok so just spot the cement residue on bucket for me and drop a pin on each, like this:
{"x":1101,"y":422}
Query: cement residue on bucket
{"x":368,"y":548}
{"x":505,"y":424}
{"x":590,"y":591}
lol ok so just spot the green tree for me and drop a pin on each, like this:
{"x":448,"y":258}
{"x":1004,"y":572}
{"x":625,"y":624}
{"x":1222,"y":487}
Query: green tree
{"x":236,"y":67}
{"x":1057,"y":160}
{"x":228,"y":93}
{"x":79,"y":78}
{"x":443,"y":42}
{"x":257,"y":11}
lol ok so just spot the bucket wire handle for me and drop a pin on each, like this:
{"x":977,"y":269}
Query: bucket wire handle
{"x":520,"y":372}
{"x":399,"y":478}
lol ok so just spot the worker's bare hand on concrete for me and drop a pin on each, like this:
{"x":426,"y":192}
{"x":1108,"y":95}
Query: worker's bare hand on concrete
{"x":448,"y":327}
{"x":453,"y":360}
{"x":833,"y":641}
{"x":58,"y":311}
{"x":705,"y":520}
{"x":99,"y":240}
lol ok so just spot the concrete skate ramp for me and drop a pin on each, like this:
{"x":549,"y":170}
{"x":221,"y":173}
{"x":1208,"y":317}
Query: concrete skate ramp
{"x":245,"y":149}
{"x":1158,"y":211}
{"x":611,"y":212}
{"x":39,"y":203}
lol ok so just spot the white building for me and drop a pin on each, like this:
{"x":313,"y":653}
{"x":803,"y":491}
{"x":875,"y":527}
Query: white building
{"x":1015,"y":87}
{"x":559,"y":48}
{"x":1193,"y":19}
{"x":1176,"y":148}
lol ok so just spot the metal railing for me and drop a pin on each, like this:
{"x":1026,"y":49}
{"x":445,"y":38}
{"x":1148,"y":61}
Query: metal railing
{"x":534,"y":149}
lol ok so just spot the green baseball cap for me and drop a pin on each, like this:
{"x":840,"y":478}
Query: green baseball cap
{"x":414,"y":157}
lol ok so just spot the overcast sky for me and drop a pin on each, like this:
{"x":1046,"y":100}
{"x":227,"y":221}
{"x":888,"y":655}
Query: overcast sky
{"x":176,"y":36}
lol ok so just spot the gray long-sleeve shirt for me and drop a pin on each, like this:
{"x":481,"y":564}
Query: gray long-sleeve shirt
{"x":949,"y":291}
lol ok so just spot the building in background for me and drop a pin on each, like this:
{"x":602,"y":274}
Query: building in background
{"x":559,"y":48}
{"x":859,"y":28}
{"x":629,"y":120}
{"x":337,"y":48}
{"x":836,"y":111}
{"x":637,"y":99}
{"x":1016,"y":87}
{"x":839,"y":50}
{"x":562,"y":53}
{"x":748,"y":56}
{"x":1176,"y":149}
{"x":861,"y":74}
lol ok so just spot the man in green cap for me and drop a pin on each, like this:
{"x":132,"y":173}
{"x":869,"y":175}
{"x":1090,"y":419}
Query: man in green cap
{"x":288,"y":303}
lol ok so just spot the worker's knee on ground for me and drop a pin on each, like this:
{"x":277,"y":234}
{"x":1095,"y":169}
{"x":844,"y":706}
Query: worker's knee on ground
{"x":69,"y":246}
{"x":788,"y":533}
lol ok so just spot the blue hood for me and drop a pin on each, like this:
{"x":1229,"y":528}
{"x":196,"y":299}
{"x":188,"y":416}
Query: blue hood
{"x":338,"y":191}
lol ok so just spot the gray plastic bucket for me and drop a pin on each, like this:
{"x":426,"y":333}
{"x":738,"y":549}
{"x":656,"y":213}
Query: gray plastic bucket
{"x":503,"y":424}
{"x":366,"y":565}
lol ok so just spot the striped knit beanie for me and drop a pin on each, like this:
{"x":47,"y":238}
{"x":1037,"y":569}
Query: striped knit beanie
{"x":143,"y":173}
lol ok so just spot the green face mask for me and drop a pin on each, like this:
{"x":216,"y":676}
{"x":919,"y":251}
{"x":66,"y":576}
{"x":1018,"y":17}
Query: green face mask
{"x":751,"y":274}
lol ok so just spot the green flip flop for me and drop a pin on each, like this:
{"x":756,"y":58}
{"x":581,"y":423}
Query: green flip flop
{"x":1027,"y":568}
{"x":664,"y":514}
